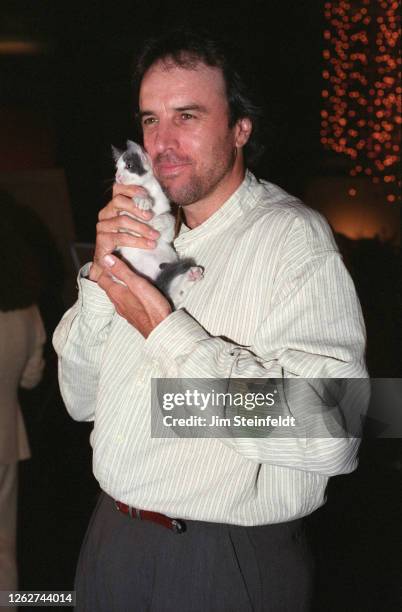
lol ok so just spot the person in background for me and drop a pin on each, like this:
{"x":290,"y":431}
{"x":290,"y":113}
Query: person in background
{"x":22,"y":337}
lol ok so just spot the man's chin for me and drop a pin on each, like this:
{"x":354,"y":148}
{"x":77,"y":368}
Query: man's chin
{"x":167,"y":181}
{"x":178,"y":192}
{"x":167,"y":188}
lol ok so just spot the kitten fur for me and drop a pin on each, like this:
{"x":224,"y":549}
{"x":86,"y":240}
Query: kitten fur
{"x":175,"y":279}
{"x":161,"y":264}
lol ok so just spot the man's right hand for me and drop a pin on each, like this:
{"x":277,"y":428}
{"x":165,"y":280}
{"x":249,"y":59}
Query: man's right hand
{"x":113,"y":229}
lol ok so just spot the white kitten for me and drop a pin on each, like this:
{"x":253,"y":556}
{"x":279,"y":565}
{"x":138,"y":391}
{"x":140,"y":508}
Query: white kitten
{"x":161,"y":264}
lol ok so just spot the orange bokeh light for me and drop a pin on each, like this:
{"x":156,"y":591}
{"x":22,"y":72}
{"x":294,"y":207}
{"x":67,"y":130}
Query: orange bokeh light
{"x":361,"y":99}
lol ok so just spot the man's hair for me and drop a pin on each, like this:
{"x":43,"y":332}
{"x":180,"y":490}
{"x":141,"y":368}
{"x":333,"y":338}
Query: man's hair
{"x":186,"y":48}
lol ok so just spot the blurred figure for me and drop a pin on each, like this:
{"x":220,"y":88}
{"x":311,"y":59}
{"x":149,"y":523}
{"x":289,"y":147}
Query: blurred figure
{"x":22,"y":337}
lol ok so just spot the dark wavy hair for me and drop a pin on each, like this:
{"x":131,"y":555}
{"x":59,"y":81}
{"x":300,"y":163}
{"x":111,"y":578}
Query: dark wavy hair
{"x":188,"y":47}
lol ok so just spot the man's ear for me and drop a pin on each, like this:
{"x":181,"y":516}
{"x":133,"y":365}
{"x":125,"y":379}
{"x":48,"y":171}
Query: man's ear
{"x":243,"y":131}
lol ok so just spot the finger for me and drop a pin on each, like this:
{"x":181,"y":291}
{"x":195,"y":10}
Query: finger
{"x":121,"y":203}
{"x":94,"y":272}
{"x":106,"y":281}
{"x":124,"y":223}
{"x":121,"y":271}
{"x":124,"y":203}
{"x":108,"y":242}
{"x":116,"y":292}
{"x":129,"y":190}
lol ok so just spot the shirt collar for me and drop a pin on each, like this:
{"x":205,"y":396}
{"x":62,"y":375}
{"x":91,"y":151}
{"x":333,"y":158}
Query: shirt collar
{"x":233,"y":208}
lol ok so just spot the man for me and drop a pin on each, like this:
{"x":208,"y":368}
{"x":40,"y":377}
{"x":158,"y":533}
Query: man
{"x":275,"y":301}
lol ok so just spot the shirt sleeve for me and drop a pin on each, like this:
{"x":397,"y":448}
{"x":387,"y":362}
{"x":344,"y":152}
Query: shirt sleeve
{"x":314,"y":329}
{"x":79,"y":341}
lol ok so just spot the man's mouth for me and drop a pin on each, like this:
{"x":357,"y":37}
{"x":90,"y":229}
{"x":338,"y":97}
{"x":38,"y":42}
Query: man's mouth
{"x":170,"y":167}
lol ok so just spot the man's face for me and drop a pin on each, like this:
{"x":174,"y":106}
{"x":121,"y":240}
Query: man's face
{"x":185,"y":119}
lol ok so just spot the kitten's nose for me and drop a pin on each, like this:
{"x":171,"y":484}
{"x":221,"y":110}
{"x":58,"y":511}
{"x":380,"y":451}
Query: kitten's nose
{"x":118,"y":178}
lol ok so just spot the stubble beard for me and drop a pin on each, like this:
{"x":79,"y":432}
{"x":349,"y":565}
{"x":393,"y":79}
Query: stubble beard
{"x":199,"y":186}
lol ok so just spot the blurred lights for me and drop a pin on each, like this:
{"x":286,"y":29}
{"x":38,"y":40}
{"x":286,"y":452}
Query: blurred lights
{"x":361,"y":115}
{"x":21,"y":47}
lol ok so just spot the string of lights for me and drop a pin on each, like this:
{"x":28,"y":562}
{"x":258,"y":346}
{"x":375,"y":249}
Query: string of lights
{"x":361,"y":113}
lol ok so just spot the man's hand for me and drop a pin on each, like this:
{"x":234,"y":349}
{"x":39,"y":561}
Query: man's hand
{"x":139,"y":302}
{"x":114,"y":229}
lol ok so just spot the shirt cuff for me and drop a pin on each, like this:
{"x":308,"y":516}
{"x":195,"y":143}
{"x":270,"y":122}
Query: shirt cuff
{"x":93,"y":298}
{"x":174,"y":337}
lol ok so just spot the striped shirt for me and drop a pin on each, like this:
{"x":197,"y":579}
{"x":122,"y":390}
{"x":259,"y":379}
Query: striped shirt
{"x":275,"y":301}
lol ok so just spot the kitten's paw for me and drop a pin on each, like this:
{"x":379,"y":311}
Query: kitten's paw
{"x":143,"y":202}
{"x":195,"y":273}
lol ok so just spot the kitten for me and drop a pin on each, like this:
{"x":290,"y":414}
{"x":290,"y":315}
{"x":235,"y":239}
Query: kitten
{"x":161,"y":265}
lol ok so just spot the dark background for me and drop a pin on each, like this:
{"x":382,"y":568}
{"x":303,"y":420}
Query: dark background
{"x":63,"y":108}
{"x":80,"y":89}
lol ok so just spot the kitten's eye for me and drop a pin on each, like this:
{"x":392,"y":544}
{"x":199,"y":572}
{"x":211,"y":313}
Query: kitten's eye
{"x":129,"y":165}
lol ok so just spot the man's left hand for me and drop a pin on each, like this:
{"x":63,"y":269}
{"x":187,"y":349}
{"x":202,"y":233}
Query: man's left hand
{"x":139,"y":302}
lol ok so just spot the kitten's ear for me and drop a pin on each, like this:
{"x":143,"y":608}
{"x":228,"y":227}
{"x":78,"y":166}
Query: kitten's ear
{"x":116,"y":153}
{"x":146,"y":161}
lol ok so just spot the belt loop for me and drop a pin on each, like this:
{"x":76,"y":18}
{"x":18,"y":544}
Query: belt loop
{"x":178,"y":526}
{"x":134,"y":513}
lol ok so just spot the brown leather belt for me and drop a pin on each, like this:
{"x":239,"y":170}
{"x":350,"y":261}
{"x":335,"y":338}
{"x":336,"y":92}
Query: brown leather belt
{"x":146,"y":515}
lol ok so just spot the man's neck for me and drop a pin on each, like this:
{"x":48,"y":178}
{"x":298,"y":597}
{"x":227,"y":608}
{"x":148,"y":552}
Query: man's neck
{"x":195,"y":214}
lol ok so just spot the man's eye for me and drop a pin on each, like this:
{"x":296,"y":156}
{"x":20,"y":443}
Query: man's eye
{"x":187,"y":116}
{"x":148,"y":121}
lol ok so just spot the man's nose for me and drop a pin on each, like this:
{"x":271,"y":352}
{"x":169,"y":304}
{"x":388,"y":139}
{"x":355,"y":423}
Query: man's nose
{"x":165,"y":137}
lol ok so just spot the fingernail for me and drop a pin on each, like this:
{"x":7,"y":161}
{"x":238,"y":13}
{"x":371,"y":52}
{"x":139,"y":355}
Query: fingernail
{"x":154,"y":234}
{"x":151,"y":243}
{"x":109,"y":260}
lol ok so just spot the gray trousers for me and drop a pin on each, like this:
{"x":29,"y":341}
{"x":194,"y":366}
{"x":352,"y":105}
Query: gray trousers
{"x":129,"y":565}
